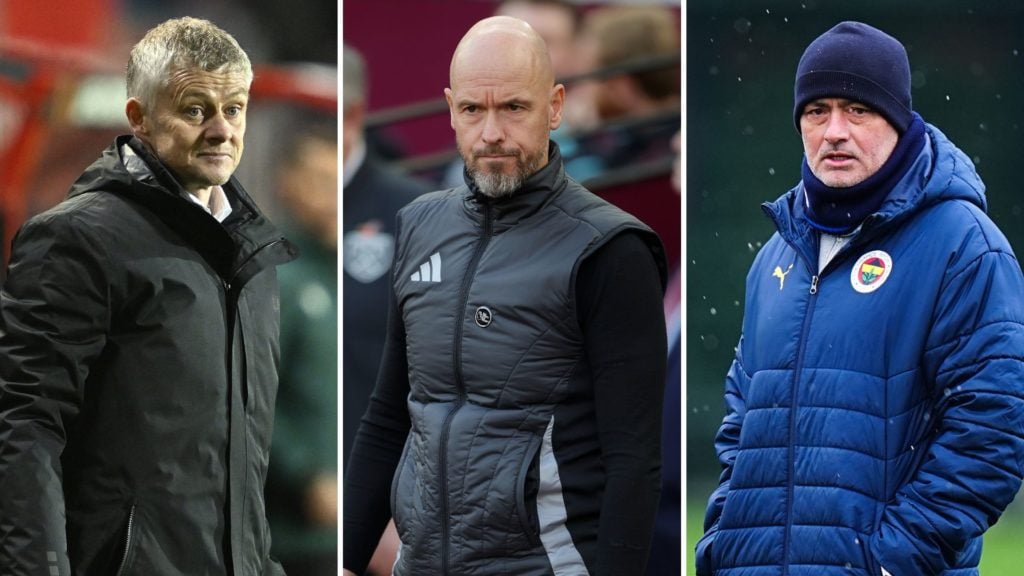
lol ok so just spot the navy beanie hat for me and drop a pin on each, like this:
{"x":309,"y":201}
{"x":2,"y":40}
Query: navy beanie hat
{"x":856,"y":62}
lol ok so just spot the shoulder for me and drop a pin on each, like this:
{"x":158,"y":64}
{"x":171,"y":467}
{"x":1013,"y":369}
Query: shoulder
{"x":578,"y":203}
{"x":433,"y":201}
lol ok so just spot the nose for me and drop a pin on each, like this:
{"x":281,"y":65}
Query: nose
{"x":837,"y":129}
{"x":492,"y":132}
{"x":218,"y":128}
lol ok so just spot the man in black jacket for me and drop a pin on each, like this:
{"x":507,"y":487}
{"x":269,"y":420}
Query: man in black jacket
{"x":138,"y":340}
{"x":515,"y":425}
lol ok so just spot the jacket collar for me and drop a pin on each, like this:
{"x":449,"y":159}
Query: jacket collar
{"x":941,"y":172}
{"x":535,"y":193}
{"x":245,"y":243}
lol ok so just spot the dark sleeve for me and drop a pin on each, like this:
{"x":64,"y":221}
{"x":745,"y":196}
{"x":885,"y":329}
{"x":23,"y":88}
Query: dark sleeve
{"x":377,"y":449}
{"x":54,"y":317}
{"x":621,"y":313}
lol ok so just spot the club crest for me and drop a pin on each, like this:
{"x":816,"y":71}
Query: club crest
{"x":870,"y":271}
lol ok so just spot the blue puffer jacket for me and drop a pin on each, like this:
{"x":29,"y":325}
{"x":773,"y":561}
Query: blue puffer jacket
{"x":876,"y":410}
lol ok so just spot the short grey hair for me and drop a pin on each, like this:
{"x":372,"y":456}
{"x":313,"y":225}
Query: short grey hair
{"x":353,"y":88}
{"x":182,"y":43}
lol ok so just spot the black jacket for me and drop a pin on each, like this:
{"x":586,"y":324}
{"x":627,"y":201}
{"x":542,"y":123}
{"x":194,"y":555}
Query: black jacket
{"x":138,"y":369}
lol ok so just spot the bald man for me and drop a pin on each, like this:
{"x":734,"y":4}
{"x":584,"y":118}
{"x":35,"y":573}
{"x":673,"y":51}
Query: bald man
{"x":515,"y":425}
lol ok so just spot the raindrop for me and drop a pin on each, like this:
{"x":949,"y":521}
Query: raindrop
{"x":739,"y":79}
{"x":694,"y":410}
{"x":947,"y":392}
{"x":736,"y":303}
{"x":714,"y":311}
{"x":947,"y":97}
{"x":706,"y":408}
{"x":848,"y":565}
{"x":1015,"y":52}
{"x":786,"y":19}
{"x":750,"y":247}
{"x":982,"y":126}
{"x":771,"y":171}
{"x":748,"y":130}
{"x":767,"y":10}
{"x":976,"y":160}
{"x":927,"y":416}
{"x":856,"y":541}
{"x":912,"y":448}
{"x":713,"y":70}
{"x":999,"y":96}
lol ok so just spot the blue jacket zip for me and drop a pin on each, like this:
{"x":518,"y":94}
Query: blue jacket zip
{"x":812,"y":265}
{"x":460,"y":386}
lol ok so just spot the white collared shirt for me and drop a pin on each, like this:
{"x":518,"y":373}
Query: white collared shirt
{"x":219,"y":207}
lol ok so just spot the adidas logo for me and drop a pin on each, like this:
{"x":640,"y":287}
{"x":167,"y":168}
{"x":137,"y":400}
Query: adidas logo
{"x":430,"y":271}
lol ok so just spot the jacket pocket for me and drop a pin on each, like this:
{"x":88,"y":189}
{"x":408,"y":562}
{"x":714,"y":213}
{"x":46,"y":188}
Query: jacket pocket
{"x":527,"y":487}
{"x":129,"y":539}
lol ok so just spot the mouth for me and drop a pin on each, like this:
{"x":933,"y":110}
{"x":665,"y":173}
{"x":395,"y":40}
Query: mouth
{"x":214,"y":155}
{"x":838,"y":158}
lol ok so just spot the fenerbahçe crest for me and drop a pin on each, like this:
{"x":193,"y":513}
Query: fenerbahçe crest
{"x":871,"y":271}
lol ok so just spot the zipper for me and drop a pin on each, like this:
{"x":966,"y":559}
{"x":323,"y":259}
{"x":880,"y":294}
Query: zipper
{"x":791,"y":464}
{"x":460,"y":386}
{"x":127,"y":541}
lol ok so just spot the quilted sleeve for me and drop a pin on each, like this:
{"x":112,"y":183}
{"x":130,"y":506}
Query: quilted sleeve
{"x":727,"y":442}
{"x":974,"y":464}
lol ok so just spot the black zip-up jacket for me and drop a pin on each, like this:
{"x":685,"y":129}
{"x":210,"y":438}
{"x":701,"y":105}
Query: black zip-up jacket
{"x":138,"y":370}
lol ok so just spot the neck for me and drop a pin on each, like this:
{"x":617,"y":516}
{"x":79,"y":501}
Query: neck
{"x":840,"y":210}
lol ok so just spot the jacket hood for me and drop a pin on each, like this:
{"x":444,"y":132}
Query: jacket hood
{"x":231,"y":247}
{"x":940,"y":173}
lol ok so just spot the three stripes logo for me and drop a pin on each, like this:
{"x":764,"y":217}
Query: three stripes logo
{"x":430,"y":271}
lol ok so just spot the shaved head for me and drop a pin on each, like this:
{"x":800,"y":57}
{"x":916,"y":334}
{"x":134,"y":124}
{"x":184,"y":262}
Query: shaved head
{"x":503,"y":102}
{"x":505,"y":40}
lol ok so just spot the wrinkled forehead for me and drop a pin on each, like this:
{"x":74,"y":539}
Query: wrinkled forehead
{"x":223,"y":82}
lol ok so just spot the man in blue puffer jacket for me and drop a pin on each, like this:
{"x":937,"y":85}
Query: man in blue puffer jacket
{"x":875,"y":420}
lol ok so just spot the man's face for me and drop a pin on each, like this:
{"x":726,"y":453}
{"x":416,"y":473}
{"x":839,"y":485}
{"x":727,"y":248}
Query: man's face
{"x":502,"y":113}
{"x":845,"y":142}
{"x":196,"y":126}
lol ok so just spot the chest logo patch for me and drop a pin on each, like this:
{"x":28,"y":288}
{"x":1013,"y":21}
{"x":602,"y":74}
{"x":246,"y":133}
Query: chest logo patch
{"x":778,"y":273}
{"x":483,"y":316}
{"x":871,"y":271}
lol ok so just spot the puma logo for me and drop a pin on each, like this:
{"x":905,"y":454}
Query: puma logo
{"x":778,"y":273}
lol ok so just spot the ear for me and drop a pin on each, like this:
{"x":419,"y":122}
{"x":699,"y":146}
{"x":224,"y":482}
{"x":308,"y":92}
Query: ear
{"x":557,"y":100}
{"x":451,"y":106}
{"x":136,"y":116}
